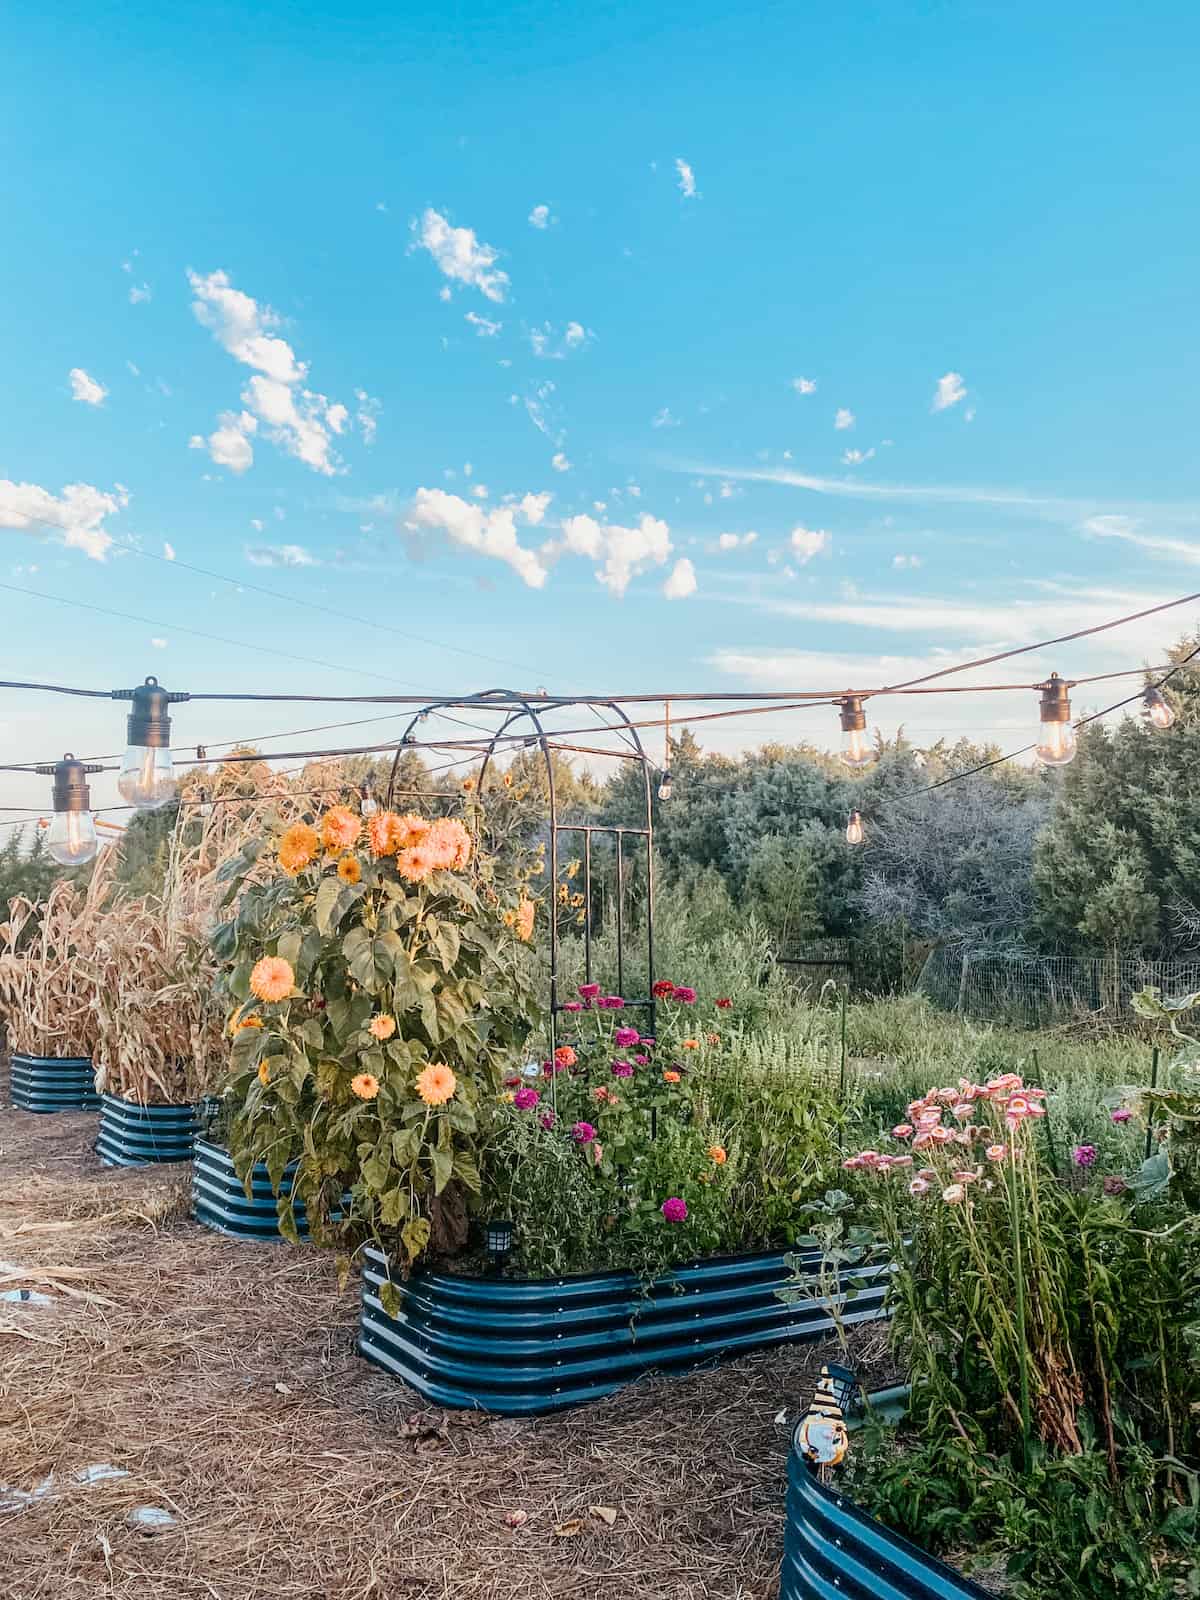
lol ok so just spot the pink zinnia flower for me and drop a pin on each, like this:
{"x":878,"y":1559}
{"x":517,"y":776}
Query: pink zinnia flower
{"x":902,"y":1130}
{"x":610,"y":1002}
{"x":685,"y":996}
{"x":547,"y":1120}
{"x":573,"y":1005}
{"x":1084,"y":1155}
{"x":526,"y":1099}
{"x":622,"y":1069}
{"x":1122,"y":1114}
{"x":583,"y":1133}
{"x":624,"y":1037}
{"x":589,"y":991}
{"x":674,"y":1209}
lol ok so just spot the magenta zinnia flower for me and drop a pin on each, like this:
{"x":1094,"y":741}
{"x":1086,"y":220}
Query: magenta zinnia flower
{"x":1122,"y":1114}
{"x":589,"y":991}
{"x":1084,"y":1155}
{"x":583,"y":1133}
{"x":611,"y":1002}
{"x":624,"y":1037}
{"x":526,"y":1099}
{"x":686,"y":997}
{"x":674,"y":1209}
{"x":573,"y":1005}
{"x":547,"y":1120}
{"x":622,"y":1069}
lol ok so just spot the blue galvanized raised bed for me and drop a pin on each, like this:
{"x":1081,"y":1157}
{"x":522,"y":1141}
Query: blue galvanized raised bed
{"x":52,"y":1083}
{"x":521,"y":1347}
{"x":834,"y":1551}
{"x":219,"y":1197}
{"x":132,"y":1135}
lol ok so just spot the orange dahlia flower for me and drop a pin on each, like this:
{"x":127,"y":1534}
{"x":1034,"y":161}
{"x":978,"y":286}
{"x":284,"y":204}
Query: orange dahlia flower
{"x":382,"y":1028}
{"x":526,"y":912}
{"x":272,"y":978}
{"x":670,"y":1077}
{"x":435,"y":1084}
{"x":716,"y":1154}
{"x":365,"y":1086}
{"x":298,"y":848}
{"x":340,"y":829}
{"x":451,"y":841}
{"x":349,"y":870}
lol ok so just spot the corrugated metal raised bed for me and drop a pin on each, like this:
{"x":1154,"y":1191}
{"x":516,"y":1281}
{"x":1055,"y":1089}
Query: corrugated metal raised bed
{"x":132,"y":1135}
{"x":834,"y":1551}
{"x":522,"y":1346}
{"x":52,"y":1083}
{"x":219,"y":1198}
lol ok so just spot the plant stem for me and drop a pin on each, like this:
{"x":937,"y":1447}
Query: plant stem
{"x":1022,"y":1347}
{"x":1150,"y":1119}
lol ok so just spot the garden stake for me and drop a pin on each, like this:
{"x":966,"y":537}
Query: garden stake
{"x":1153,"y":1085}
{"x":842,"y":1069}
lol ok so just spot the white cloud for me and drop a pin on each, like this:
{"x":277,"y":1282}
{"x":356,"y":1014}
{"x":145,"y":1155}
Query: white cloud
{"x":460,"y":256}
{"x":229,"y":443}
{"x":844,"y":418}
{"x":541,"y":341}
{"x":804,"y":385}
{"x":559,"y":462}
{"x":367,"y":415}
{"x":539,"y":217}
{"x":168,"y":551}
{"x":480,"y":491}
{"x":901,"y":562}
{"x":621,"y":552}
{"x":86,"y":388}
{"x":159,"y":644}
{"x":298,"y":420}
{"x":489,"y":533}
{"x":484,"y":326}
{"x":257,"y":524}
{"x":280,"y":555}
{"x":1126,"y":529}
{"x":664,"y":419}
{"x":950,"y":390}
{"x":735,"y":541}
{"x":77,"y":516}
{"x":687,"y":180}
{"x":855,"y":458}
{"x":808,"y":542}
{"x":682,"y":581}
{"x":139,"y":293}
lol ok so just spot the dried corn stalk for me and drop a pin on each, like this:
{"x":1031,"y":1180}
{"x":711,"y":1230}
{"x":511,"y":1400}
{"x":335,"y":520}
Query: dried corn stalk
{"x":46,"y":981}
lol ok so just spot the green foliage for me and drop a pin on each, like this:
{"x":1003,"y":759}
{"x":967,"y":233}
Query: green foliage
{"x":25,"y":869}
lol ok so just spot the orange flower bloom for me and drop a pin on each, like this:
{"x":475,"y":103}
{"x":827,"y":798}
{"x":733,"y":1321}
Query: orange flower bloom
{"x":671,"y":1077}
{"x":508,"y":780}
{"x":365,"y":1086}
{"x":526,"y":912}
{"x":510,"y":919}
{"x":416,"y":864}
{"x":411,"y":830}
{"x":385,"y":831}
{"x":450,"y":842}
{"x":468,"y":785}
{"x":272,"y":978}
{"x":436,"y":1084}
{"x":713,"y":1038}
{"x":340,"y":829}
{"x":298,"y":848}
{"x":238,"y":1023}
{"x":716,"y":1155}
{"x":382,"y":1028}
{"x":264,"y":1075}
{"x":691,"y":1044}
{"x":565,"y":1056}
{"x":349,"y":870}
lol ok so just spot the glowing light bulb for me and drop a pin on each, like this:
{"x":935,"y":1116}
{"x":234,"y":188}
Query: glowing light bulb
{"x":369,"y":804}
{"x":665,"y":787}
{"x":1156,"y":709}
{"x":1056,"y":735}
{"x":72,"y":838}
{"x":854,"y":829}
{"x":857,"y":750}
{"x":147,"y":779}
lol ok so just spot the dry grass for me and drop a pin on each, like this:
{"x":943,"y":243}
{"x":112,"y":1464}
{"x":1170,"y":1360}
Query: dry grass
{"x":46,"y":989}
{"x":222,"y":1377}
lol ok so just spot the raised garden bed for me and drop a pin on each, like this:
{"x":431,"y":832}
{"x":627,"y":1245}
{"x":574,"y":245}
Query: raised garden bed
{"x":524,"y":1347}
{"x":834,"y":1551}
{"x":219,"y":1198}
{"x":132,"y":1135}
{"x":52,"y":1083}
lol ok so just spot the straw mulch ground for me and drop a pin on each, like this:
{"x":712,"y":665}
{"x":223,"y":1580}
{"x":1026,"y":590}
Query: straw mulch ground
{"x":221,"y":1376}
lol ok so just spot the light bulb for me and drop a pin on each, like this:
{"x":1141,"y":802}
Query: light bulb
{"x":205,"y":806}
{"x":1056,"y":734}
{"x":72,"y":838}
{"x":857,"y":750}
{"x":854,"y":829}
{"x":665,"y":787}
{"x":369,"y":805}
{"x":147,"y":778}
{"x":1156,"y":709}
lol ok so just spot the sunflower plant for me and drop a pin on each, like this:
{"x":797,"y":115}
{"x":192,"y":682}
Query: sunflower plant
{"x":379,"y":1002}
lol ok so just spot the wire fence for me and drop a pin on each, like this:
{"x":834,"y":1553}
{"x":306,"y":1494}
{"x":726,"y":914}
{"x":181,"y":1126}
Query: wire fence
{"x":1037,"y":990}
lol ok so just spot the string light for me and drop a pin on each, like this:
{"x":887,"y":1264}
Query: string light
{"x":854,"y":829}
{"x":147,"y":779}
{"x":856,"y":747}
{"x":1156,"y":709}
{"x":368,"y":803}
{"x":665,"y":786}
{"x":205,"y":806}
{"x":1056,"y":737}
{"x":72,"y":836}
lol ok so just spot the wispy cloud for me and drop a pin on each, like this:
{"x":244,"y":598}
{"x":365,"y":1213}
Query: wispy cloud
{"x":843,"y":418}
{"x":76,"y":516}
{"x":687,"y":180}
{"x":85,"y":388}
{"x":543,"y":343}
{"x":459,"y":255}
{"x":280,"y":555}
{"x":664,"y":419}
{"x":855,"y":458}
{"x":540,"y":217}
{"x":484,"y":326}
{"x":1127,"y":529}
{"x":559,"y":462}
{"x":808,"y":542}
{"x":734,"y":541}
{"x":804,"y":385}
{"x":950,"y":390}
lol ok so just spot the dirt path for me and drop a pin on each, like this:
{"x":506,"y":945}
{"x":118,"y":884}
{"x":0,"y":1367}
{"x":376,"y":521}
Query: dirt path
{"x":221,"y":1377}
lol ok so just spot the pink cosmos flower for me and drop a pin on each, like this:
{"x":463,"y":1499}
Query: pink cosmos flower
{"x":902,"y":1130}
{"x":622,"y":1069}
{"x":953,"y":1195}
{"x":919,"y":1186}
{"x":685,"y":996}
{"x":996,"y":1152}
{"x":624,"y":1037}
{"x":526,"y":1099}
{"x":674,"y":1209}
{"x":583,"y":1133}
{"x":589,"y":991}
{"x":1122,"y":1114}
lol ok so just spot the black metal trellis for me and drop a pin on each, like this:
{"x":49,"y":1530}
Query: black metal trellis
{"x":534,"y":708}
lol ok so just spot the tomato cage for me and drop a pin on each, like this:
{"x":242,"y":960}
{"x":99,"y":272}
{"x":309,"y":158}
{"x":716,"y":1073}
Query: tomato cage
{"x":613,"y":922}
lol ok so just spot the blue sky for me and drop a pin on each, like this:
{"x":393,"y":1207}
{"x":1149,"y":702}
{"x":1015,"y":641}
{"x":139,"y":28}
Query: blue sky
{"x":507,"y":326}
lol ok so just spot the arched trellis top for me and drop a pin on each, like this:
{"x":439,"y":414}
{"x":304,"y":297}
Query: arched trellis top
{"x":535,"y":711}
